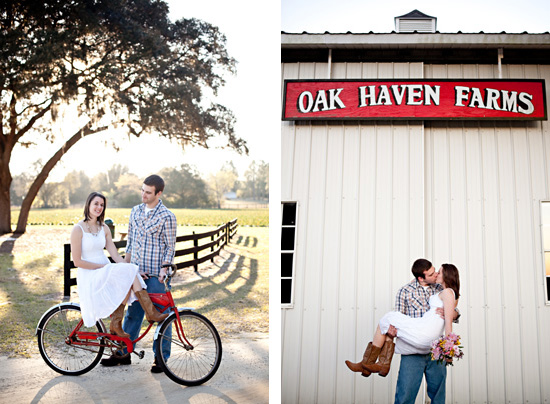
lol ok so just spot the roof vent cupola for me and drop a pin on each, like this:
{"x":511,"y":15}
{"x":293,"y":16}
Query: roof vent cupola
{"x":415,"y":21}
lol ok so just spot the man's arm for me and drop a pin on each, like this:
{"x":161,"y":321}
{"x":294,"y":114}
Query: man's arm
{"x":169,"y":236}
{"x":401,"y":302}
{"x":169,"y":240}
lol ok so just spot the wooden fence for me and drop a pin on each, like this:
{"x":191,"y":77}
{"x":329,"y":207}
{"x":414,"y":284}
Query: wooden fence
{"x":216,"y":240}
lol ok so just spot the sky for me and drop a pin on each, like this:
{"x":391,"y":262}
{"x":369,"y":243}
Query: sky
{"x":360,"y":16}
{"x":248,"y":30}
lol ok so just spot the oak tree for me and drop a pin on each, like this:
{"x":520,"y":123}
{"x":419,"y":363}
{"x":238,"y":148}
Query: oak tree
{"x":114,"y":63}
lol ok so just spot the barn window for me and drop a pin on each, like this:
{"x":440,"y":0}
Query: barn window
{"x":288,"y":246}
{"x":545,"y":218}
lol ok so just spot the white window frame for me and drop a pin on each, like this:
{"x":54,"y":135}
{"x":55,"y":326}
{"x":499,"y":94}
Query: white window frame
{"x":544,"y":251}
{"x":293,"y":252}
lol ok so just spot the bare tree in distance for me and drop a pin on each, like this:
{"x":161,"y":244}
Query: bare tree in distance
{"x":119,"y":64}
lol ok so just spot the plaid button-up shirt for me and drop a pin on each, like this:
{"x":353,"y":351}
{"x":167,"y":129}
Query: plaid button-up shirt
{"x":413,"y":300}
{"x":151,"y":238}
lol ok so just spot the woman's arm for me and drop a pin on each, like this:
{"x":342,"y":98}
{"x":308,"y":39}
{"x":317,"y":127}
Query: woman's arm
{"x":76,"y":250}
{"x":449,"y":304}
{"x":110,"y":245}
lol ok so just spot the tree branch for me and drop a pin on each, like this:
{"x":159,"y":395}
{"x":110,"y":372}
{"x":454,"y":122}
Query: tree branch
{"x":45,"y":172}
{"x":31,"y":122}
{"x":13,"y":115}
{"x":34,"y":105}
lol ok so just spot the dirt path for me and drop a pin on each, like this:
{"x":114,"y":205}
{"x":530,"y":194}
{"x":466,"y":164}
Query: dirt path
{"x":242,"y":378}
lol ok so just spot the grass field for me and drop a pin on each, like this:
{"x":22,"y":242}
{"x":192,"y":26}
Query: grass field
{"x":233,"y":291}
{"x":120,"y":216}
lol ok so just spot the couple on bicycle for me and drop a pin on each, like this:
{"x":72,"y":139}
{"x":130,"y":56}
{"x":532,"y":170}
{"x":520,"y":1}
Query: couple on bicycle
{"x":105,"y":288}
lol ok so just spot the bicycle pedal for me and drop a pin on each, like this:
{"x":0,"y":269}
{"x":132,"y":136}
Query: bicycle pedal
{"x":140,"y":354}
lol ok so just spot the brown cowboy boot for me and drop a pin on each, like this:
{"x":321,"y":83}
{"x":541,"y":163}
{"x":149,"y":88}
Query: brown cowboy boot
{"x":369,"y":357}
{"x":116,"y":322}
{"x":382,"y":367}
{"x":151,"y":312}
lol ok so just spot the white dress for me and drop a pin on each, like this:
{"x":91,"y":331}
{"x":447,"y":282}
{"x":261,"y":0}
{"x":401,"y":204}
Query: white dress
{"x":415,"y":335}
{"x":102,"y":290}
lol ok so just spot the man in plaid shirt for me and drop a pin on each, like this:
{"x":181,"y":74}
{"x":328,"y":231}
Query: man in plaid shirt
{"x":151,"y":244}
{"x":413,"y":300}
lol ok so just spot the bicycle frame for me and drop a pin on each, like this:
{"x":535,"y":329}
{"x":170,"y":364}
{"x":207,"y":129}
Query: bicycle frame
{"x":165,"y":300}
{"x":71,"y":348}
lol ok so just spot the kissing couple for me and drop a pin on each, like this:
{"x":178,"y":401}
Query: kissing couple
{"x":425,"y":309}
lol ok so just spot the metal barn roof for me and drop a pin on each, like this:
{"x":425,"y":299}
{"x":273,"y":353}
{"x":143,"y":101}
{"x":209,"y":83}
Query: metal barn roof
{"x":522,"y":48}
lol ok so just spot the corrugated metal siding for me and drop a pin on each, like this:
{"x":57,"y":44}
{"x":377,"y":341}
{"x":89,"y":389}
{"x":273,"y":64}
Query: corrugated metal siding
{"x":486,"y":181}
{"x":360,"y":199}
{"x":375,"y":196}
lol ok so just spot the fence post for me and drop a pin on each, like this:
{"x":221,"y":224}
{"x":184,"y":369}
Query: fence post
{"x":212,"y":248}
{"x":67,"y":270}
{"x":196,"y":253}
{"x":227,"y":232}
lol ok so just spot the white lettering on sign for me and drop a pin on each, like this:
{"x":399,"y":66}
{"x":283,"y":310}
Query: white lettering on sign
{"x":526,"y":100}
{"x":499,"y":100}
{"x":432,"y":99}
{"x":413,"y":94}
{"x":325,"y":100}
{"x":306,"y":95}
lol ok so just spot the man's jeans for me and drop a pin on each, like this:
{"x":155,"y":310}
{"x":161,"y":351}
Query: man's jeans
{"x":411,"y":370}
{"x":135,"y":313}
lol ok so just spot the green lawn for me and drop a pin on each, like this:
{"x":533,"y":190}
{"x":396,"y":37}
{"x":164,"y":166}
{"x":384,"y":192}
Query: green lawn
{"x":185,"y":217}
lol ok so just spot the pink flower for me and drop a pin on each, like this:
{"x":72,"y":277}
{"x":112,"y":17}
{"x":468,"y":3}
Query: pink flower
{"x":445,"y":349}
{"x":452,"y":337}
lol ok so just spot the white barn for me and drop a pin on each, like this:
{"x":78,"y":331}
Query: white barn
{"x":362,"y":199}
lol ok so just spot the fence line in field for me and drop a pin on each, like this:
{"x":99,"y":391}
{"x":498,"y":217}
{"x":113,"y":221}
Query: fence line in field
{"x":218,"y":238}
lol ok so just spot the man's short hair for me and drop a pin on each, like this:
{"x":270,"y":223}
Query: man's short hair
{"x":155,"y":181}
{"x":420,"y":266}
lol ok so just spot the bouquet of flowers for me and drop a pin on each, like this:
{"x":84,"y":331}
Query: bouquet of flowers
{"x":446,"y":348}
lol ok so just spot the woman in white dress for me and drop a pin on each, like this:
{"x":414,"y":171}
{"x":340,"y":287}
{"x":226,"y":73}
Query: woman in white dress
{"x":104,"y":288}
{"x":416,"y":333}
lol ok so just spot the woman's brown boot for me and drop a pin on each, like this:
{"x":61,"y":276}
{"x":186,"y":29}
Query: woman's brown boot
{"x":116,"y":323}
{"x":369,"y":357}
{"x":151,"y":312}
{"x":382,"y":367}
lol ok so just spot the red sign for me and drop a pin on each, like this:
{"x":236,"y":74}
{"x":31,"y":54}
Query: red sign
{"x":414,"y":99}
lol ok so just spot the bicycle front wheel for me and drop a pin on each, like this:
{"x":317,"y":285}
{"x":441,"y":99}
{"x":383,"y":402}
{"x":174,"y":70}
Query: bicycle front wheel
{"x":58,"y":353}
{"x":195,"y":364}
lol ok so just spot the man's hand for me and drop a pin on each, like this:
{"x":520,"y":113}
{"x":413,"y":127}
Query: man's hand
{"x":441,"y":313}
{"x":144,"y":275}
{"x":162,"y":274}
{"x":392,"y":332}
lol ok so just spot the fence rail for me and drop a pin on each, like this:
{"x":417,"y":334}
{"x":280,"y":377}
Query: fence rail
{"x":218,"y":238}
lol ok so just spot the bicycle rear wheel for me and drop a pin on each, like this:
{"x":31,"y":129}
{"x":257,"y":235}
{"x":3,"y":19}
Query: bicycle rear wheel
{"x":195,"y":364}
{"x":53,"y":332}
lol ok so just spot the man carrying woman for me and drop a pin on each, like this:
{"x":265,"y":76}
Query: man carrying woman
{"x":425,"y":308}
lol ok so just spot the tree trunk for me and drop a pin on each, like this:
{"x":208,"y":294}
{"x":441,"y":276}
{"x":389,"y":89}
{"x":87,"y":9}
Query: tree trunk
{"x":45,"y":172}
{"x":6,"y":147}
{"x":5,"y":208}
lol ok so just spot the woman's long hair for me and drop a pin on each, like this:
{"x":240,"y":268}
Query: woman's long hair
{"x":451,"y":278}
{"x":89,"y":202}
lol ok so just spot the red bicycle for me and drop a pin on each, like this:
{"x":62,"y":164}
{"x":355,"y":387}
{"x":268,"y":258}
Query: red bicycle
{"x":70,"y":348}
